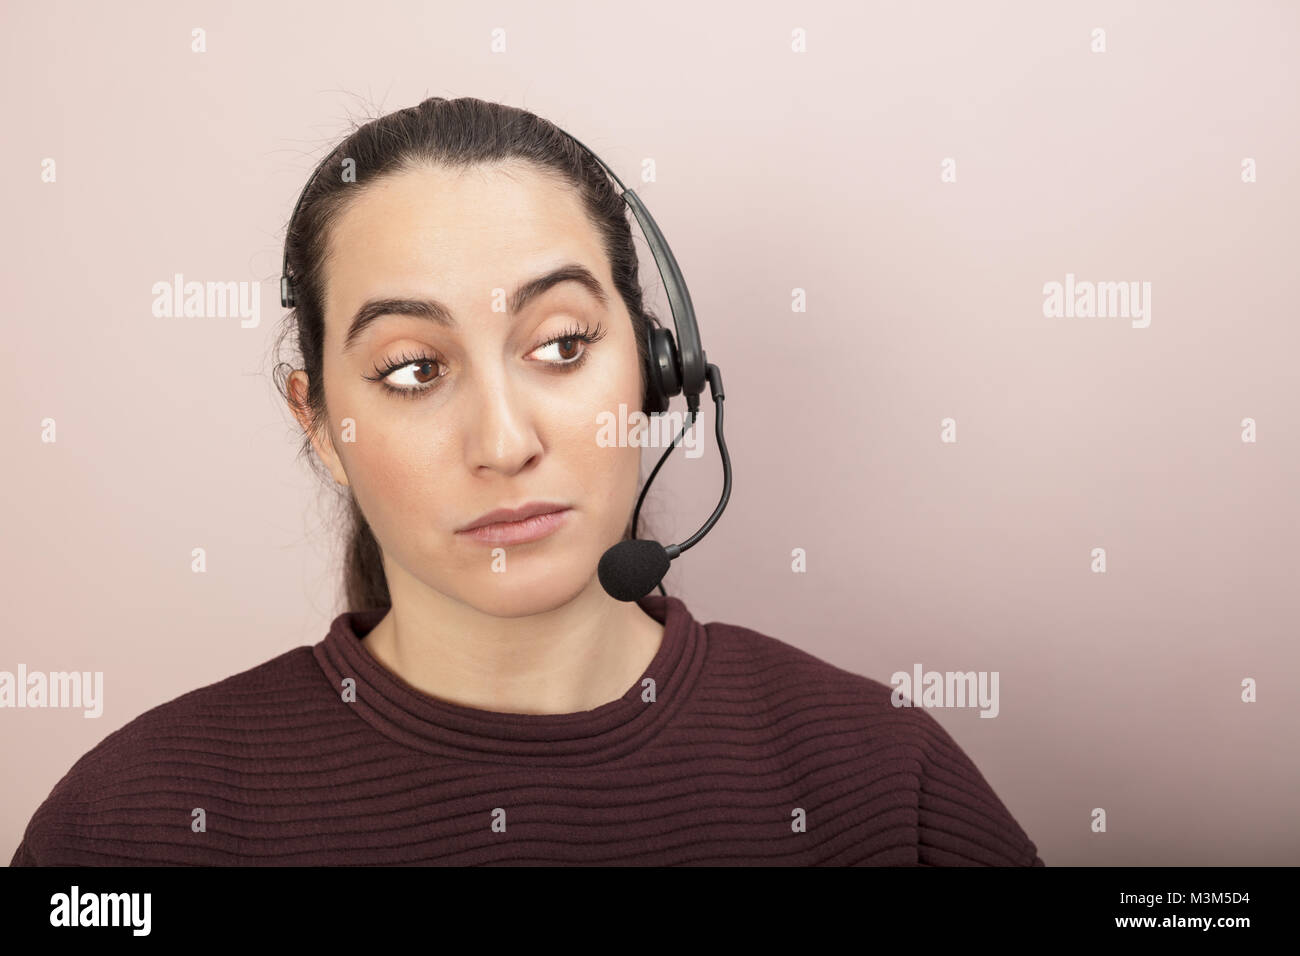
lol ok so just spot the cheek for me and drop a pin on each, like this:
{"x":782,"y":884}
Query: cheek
{"x":396,"y":464}
{"x":390,"y":444}
{"x":607,"y":474}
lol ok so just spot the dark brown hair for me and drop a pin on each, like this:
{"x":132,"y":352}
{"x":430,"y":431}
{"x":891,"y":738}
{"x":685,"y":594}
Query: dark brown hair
{"x":454,"y":133}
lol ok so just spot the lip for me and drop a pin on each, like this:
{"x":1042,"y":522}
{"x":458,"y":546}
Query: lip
{"x":527,"y":510}
{"x":527,"y":529}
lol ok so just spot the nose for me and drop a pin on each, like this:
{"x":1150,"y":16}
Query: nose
{"x":500,"y":435}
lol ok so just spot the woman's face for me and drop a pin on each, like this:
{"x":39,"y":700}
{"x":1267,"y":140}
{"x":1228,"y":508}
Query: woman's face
{"x":433,"y":424}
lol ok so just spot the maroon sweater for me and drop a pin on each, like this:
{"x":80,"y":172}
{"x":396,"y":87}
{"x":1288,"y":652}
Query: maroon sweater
{"x":751,"y":752}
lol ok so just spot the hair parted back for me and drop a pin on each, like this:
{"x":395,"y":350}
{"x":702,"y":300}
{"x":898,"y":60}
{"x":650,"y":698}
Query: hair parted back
{"x":452,"y":133}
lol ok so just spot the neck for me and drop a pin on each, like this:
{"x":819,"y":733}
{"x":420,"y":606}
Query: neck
{"x":565,"y":659}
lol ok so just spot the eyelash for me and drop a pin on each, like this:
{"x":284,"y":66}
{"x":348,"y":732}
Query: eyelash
{"x":584,"y":334}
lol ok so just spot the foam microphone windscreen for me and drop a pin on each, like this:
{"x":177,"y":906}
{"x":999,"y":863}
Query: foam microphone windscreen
{"x":632,"y":569}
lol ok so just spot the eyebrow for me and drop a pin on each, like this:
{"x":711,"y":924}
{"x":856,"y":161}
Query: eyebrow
{"x":435,"y":311}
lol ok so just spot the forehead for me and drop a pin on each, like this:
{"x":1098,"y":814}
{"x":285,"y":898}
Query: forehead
{"x":456,"y":234}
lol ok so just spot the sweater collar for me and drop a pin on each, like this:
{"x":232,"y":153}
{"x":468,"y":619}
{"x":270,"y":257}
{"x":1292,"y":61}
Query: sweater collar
{"x":425,"y":723}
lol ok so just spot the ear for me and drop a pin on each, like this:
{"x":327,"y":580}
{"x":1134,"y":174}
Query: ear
{"x":323,"y":443}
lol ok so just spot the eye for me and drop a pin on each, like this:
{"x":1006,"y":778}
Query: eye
{"x":424,"y":372}
{"x":563,"y":348}
{"x":409,"y":375}
{"x":560,"y":349}
{"x":414,"y":375}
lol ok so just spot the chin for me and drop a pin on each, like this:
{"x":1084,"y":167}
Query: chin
{"x":528,"y":586}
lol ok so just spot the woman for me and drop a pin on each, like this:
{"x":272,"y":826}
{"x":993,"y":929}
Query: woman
{"x":466,"y":305}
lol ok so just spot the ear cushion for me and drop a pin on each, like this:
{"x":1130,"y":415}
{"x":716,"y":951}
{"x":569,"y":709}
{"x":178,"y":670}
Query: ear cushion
{"x":663,"y":371}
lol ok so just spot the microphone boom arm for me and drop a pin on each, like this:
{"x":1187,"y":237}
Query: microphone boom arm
{"x":714,"y":375}
{"x":715,"y":392}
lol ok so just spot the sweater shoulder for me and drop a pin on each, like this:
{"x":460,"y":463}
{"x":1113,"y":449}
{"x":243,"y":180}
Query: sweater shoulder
{"x":168,"y":741}
{"x":782,"y":677}
{"x":256,"y":696}
{"x":854,"y":722}
{"x":774,"y":667}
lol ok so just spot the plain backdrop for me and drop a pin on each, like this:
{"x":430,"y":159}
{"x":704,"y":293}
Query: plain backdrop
{"x":797,"y":146}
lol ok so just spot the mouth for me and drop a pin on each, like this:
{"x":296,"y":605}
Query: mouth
{"x":521,"y":531}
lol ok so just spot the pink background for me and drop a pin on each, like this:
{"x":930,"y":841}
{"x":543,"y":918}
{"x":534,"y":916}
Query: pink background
{"x":776,"y":171}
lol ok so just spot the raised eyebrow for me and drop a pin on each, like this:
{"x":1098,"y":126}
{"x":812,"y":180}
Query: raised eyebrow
{"x":434,"y":311}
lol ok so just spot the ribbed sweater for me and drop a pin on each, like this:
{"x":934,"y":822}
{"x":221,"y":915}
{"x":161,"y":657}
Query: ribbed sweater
{"x":734,"y":748}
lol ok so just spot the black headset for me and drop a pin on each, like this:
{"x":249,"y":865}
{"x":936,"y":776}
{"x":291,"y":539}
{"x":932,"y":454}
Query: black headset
{"x":631,"y":569}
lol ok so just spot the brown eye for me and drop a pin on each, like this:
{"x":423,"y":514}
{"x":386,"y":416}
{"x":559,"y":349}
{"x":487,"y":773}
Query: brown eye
{"x":415,"y":374}
{"x":425,"y":372}
{"x":410,"y":375}
{"x":569,"y":350}
{"x":565,"y":350}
